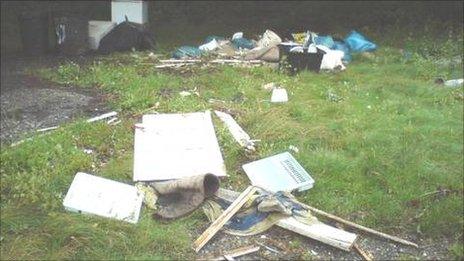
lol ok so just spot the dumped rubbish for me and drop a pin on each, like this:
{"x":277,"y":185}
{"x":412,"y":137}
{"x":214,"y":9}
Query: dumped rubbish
{"x":279,"y":95}
{"x":210,"y":46}
{"x":332,"y":59}
{"x":293,"y":148}
{"x":270,"y":86}
{"x":98,"y":30}
{"x":454,"y":83}
{"x":125,"y":36}
{"x":103,"y":197}
{"x":187,"y":52}
{"x":304,"y":225}
{"x":237,"y":132}
{"x":231,"y":254}
{"x":48,"y":129}
{"x":280,"y":172}
{"x":172,"y":146}
{"x":177,"y":198}
{"x":102,"y":117}
{"x":359,"y":43}
{"x":223,"y":218}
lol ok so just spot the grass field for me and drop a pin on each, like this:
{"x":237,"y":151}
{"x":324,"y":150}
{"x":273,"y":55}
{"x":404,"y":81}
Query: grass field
{"x":391,"y":137}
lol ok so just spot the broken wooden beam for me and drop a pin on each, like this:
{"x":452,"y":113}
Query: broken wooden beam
{"x":103,"y":116}
{"x":223,"y":218}
{"x":241,"y":251}
{"x":365,"y":255}
{"x":319,"y":231}
{"x":362,"y":228}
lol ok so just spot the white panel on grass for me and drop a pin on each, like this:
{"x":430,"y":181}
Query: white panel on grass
{"x":172,"y":146}
{"x":90,"y":194}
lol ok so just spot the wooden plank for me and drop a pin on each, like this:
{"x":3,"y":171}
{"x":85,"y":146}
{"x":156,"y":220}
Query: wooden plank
{"x":319,"y":231}
{"x":223,"y":218}
{"x":241,"y":251}
{"x":362,"y":228}
{"x":365,"y":255}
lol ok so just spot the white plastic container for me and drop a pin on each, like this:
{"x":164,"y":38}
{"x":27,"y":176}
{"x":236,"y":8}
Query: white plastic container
{"x":136,"y":11}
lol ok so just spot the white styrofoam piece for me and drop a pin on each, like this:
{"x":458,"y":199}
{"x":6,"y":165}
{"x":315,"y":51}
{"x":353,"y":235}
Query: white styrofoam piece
{"x":172,"y":146}
{"x":280,"y":172}
{"x":98,"y":30}
{"x":279,"y":95}
{"x":237,"y":132}
{"x":136,"y":11}
{"x":103,"y":197}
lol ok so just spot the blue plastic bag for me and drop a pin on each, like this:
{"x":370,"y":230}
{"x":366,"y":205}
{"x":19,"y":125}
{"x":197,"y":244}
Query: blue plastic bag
{"x":187,"y":51}
{"x":343,"y":47}
{"x":243,"y":43}
{"x":325,"y":41}
{"x":359,"y":43}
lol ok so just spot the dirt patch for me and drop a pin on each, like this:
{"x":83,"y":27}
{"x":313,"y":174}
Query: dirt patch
{"x":29,"y":103}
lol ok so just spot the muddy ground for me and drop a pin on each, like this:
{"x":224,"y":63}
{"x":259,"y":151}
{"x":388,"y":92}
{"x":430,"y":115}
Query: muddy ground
{"x":29,"y":103}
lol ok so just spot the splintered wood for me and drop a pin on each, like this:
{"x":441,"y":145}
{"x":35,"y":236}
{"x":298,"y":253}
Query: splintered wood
{"x":223,"y":218}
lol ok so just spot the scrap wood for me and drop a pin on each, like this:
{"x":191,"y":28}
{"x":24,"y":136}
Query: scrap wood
{"x":180,"y":61}
{"x":319,"y":231}
{"x":241,"y":251}
{"x":237,"y":132}
{"x":223,"y":218}
{"x":362,"y":228}
{"x":47,"y":129}
{"x":366,"y":255}
{"x":269,"y":248}
{"x":103,"y":116}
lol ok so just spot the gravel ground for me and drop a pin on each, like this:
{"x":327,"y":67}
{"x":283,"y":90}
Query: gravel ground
{"x":290,"y":246}
{"x":28,"y":103}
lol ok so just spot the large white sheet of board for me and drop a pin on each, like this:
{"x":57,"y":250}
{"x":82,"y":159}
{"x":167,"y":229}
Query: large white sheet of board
{"x":90,"y":194}
{"x":172,"y":146}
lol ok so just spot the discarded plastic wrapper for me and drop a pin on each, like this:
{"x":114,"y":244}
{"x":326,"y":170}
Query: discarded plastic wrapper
{"x":103,"y":197}
{"x":172,"y":146}
{"x":210,"y":46}
{"x":280,"y":172}
{"x":332,"y":59}
{"x":279,"y":95}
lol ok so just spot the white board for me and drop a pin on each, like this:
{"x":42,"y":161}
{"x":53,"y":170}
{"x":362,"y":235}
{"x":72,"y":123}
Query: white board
{"x":280,"y":172}
{"x":172,"y":146}
{"x":90,"y":194}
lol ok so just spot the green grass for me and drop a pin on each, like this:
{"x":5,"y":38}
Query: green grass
{"x":392,"y":137}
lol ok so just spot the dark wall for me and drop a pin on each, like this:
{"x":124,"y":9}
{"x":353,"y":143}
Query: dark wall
{"x":320,"y":16}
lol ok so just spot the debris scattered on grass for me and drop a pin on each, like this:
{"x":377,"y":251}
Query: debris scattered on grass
{"x":279,"y":95}
{"x":103,"y":197}
{"x":48,"y":129}
{"x":280,"y":172}
{"x":103,"y":116}
{"x":293,"y":148}
{"x":237,"y":132}
{"x":172,"y":146}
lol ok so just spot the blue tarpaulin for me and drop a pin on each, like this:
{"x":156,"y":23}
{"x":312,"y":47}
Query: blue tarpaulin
{"x":359,"y":43}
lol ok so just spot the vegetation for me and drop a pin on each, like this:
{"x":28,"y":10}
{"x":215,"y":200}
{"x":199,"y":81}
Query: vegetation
{"x":376,"y":153}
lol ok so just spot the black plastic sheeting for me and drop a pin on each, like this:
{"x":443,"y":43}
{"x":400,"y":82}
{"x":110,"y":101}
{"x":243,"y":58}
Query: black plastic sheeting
{"x":125,"y":36}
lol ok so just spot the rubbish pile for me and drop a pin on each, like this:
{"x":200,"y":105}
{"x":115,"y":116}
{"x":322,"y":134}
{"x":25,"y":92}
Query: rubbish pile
{"x":306,"y":51}
{"x":178,"y":168}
